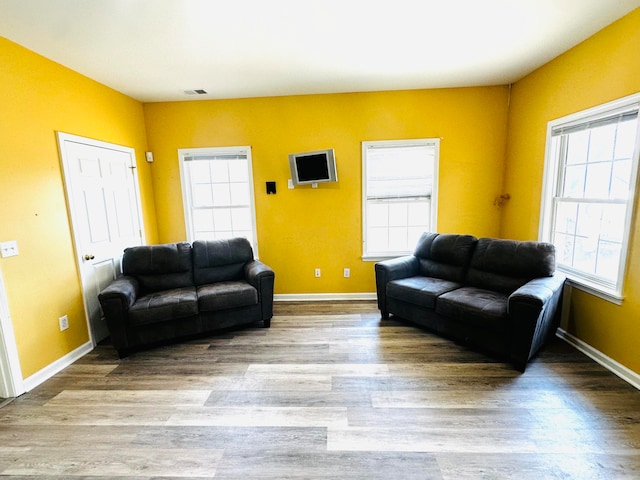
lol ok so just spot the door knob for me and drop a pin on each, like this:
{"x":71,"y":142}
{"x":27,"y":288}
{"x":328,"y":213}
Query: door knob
{"x":89,"y":257}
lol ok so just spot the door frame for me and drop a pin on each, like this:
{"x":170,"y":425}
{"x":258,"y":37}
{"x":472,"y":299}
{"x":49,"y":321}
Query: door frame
{"x":68,"y":188}
{"x":11,"y":381}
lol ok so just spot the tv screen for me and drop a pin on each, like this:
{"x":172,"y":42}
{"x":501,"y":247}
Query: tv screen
{"x":313,"y":167}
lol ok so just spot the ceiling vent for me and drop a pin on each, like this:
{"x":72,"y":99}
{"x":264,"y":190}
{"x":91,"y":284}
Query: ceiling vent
{"x":195,"y":92}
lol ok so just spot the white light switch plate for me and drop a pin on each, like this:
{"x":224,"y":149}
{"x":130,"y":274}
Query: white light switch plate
{"x":9,"y":249}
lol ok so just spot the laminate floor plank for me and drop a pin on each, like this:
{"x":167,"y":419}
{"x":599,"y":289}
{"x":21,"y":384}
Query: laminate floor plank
{"x":288,"y":398}
{"x":117,"y":462}
{"x":329,"y":465}
{"x":234,"y":439}
{"x":124,"y":398}
{"x":85,"y":415}
{"x":329,"y":391}
{"x":260,"y":416}
{"x":554,"y":466}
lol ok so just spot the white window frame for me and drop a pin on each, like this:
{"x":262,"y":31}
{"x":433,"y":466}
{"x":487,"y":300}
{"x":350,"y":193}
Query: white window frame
{"x":367,"y":254}
{"x":610,"y":291}
{"x":209,"y":153}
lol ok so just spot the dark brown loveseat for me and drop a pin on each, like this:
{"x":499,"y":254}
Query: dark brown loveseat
{"x":173,"y":291}
{"x":503,"y":296}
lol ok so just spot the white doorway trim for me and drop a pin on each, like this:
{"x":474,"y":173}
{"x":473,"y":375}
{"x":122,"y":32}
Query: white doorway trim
{"x":65,"y":139}
{"x":11,"y":381}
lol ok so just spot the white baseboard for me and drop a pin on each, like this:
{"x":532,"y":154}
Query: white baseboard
{"x":610,"y":364}
{"x":50,"y":370}
{"x":322,"y":297}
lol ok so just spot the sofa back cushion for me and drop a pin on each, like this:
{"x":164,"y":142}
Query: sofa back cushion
{"x":159,"y":267}
{"x":445,"y":256}
{"x":506,"y":265}
{"x":220,"y":260}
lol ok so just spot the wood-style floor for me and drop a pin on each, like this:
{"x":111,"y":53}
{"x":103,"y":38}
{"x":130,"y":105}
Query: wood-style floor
{"x":328,"y":392}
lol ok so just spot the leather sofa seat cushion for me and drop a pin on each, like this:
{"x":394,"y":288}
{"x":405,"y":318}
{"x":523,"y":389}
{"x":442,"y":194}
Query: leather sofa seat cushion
{"x":163,"y":306}
{"x":506,"y":265}
{"x":444,"y":256}
{"x":159,"y":267}
{"x":221,"y":295}
{"x":421,"y":291}
{"x":473,"y":306}
{"x":220,"y":260}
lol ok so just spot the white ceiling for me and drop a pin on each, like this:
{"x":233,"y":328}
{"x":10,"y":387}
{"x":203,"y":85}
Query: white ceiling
{"x":154,"y":50}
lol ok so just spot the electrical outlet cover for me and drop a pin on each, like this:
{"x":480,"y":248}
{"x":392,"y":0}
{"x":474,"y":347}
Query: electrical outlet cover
{"x":9,"y":249}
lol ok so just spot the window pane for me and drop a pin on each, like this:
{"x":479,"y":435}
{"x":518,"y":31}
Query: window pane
{"x":241,"y":219}
{"x":620,"y":179}
{"x":203,"y":219}
{"x":398,"y":214}
{"x":601,"y":143}
{"x":577,"y":147}
{"x":566,"y":218}
{"x":613,"y":219}
{"x":239,"y":171}
{"x":598,"y":180}
{"x":202,"y":195}
{"x":378,"y":239}
{"x":222,"y":219}
{"x":588,"y":237}
{"x":221,"y":194}
{"x":239,"y":193}
{"x":418,"y":214}
{"x":220,"y":170}
{"x":398,"y":239}
{"x":200,"y":172}
{"x":564,"y":248}
{"x":584,"y":256}
{"x":608,"y":260}
{"x":377,"y":214}
{"x":626,"y":139}
{"x":574,"y":181}
{"x":588,"y":222}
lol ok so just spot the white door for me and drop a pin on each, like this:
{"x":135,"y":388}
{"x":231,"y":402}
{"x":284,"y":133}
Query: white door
{"x":104,"y":203}
{"x":11,"y":384}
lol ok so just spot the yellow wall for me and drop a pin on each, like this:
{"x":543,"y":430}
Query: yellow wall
{"x":304,"y":228}
{"x":37,"y":98}
{"x":603,"y":68}
{"x":299,"y":229}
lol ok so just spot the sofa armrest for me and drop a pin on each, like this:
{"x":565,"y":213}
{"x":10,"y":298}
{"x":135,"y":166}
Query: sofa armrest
{"x":262,"y":277}
{"x":123,"y":289}
{"x":116,"y":300}
{"x":393,"y":269}
{"x":534,"y":312}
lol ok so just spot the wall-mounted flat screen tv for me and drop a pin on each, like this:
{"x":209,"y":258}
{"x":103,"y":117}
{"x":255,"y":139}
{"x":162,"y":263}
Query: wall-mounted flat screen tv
{"x":313,"y":167}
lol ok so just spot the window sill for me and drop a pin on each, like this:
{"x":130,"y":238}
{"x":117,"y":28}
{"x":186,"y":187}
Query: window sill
{"x":381,"y":257}
{"x":608,"y":295}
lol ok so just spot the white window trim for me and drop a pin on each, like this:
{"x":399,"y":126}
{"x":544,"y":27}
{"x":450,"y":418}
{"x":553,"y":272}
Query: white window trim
{"x":243,"y":150}
{"x":435,"y":142}
{"x":550,"y":179}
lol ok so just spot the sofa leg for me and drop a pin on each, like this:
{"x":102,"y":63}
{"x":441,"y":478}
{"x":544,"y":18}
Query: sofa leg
{"x":267,"y":323}
{"x":384,"y":314}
